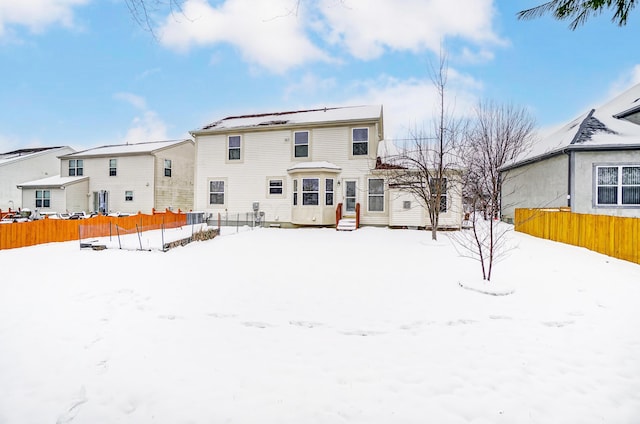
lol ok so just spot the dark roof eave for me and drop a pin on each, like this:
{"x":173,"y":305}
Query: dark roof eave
{"x":577,"y":148}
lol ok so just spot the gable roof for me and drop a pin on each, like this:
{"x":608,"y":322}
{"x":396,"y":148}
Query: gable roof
{"x":299,"y":117}
{"x":609,"y":127}
{"x":128,"y":149}
{"x":22,"y":154}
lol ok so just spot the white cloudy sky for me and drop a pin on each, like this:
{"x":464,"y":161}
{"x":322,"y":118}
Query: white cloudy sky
{"x":83,"y":73}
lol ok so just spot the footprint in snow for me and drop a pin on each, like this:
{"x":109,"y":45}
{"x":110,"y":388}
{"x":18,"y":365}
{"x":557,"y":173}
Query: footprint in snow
{"x":71,"y":413}
{"x":256,"y":324}
{"x":361,"y":333}
{"x":306,"y":324}
{"x":557,"y":324}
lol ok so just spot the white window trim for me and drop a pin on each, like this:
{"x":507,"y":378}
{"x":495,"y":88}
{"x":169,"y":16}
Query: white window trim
{"x":165,"y":168}
{"x":76,"y":167}
{"x":43,"y":199}
{"x":227,"y":149}
{"x":115,"y":167}
{"x":293,"y":144}
{"x":333,"y":192}
{"x":317,"y":192}
{"x":225,"y":192}
{"x":619,"y":204}
{"x":369,"y":195}
{"x":283,"y":187}
{"x":125,"y":196}
{"x":368,"y":142}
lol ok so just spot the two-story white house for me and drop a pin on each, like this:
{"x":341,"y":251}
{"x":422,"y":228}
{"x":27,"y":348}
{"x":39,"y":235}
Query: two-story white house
{"x":28,"y":164}
{"x":297,"y":168}
{"x":127,"y":178}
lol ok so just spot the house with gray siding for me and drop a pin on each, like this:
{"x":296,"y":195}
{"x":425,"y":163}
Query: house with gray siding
{"x":590,"y":165}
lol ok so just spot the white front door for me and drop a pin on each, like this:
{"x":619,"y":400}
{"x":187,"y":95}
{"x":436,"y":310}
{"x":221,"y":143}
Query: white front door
{"x":350,"y":197}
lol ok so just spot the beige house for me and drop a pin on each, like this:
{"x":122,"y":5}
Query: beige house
{"x":300,"y":168}
{"x":126,"y":178}
{"x":22,"y":165}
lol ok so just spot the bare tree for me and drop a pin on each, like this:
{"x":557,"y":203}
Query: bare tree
{"x":143,"y":11}
{"x":427,"y":161}
{"x":500,"y":134}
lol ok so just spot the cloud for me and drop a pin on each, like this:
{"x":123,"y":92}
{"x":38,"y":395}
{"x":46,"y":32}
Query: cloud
{"x":310,"y":85}
{"x":148,"y":127}
{"x":269,"y":34}
{"x":36,"y":15}
{"x":366,"y":28}
{"x":134,"y":100}
{"x":412,"y":103}
{"x":278,"y":35}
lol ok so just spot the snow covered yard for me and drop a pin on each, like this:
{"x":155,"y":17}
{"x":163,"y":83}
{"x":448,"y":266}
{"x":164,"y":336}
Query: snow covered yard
{"x":317,"y":326}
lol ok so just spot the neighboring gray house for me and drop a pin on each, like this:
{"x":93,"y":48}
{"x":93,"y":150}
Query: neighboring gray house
{"x":23,"y":165}
{"x":127,"y":178}
{"x":591,"y":165}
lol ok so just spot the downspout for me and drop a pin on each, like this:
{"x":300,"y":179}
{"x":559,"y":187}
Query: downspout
{"x":570,"y":166}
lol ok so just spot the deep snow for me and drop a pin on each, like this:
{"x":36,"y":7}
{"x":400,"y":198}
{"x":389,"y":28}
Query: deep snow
{"x":317,"y":326}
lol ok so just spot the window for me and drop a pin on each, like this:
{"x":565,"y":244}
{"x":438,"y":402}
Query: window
{"x":433,"y":189}
{"x":328,"y":191}
{"x":360,"y":141}
{"x":301,"y":144}
{"x":406,"y":204}
{"x":234,"y":147}
{"x":376,"y":195}
{"x":618,"y":185}
{"x":310,"y":191}
{"x":43,"y":199}
{"x":295,"y":192}
{"x":167,"y":167}
{"x":113,"y":167}
{"x":275,"y":187}
{"x":128,"y":196}
{"x":216,"y":192}
{"x":76,"y":168}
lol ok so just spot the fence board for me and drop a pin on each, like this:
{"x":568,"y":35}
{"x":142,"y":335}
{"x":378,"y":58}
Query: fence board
{"x":610,"y":235}
{"x":22,"y":234}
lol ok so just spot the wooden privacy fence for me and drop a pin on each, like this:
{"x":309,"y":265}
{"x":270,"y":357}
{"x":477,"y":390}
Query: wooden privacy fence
{"x":611,"y":235}
{"x":21,"y":234}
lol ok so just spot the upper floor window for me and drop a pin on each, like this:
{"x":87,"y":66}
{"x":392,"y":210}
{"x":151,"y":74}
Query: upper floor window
{"x":376,"y":195}
{"x":43,"y":199}
{"x":301,"y":144}
{"x":234,"y":143}
{"x":113,"y":167}
{"x":76,"y":167}
{"x":310,"y":190}
{"x":360,"y":140}
{"x":167,"y":167}
{"x":216,"y":192}
{"x":618,"y":185}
